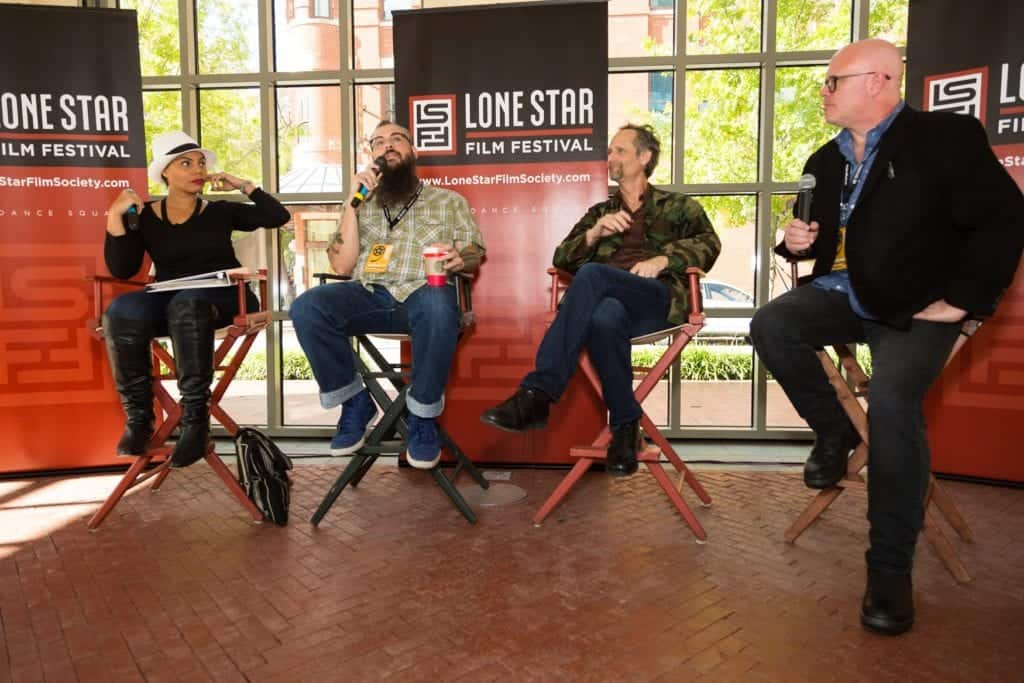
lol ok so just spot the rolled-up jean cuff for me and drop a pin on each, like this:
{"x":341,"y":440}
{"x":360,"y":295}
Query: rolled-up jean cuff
{"x":424,"y":410}
{"x":333,"y":399}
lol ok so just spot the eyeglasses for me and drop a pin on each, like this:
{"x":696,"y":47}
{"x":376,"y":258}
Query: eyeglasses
{"x":831,"y":82}
{"x":380,"y":142}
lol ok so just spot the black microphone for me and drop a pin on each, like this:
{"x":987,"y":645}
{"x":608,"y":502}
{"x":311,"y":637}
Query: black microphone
{"x":363,"y":192}
{"x":130,"y":218}
{"x":805,"y":185}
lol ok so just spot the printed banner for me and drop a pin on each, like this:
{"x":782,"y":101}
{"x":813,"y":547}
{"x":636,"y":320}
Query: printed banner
{"x":71,"y":138}
{"x":508,"y":106}
{"x":976,"y":410}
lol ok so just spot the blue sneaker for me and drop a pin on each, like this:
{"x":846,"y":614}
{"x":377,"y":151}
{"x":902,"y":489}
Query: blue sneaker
{"x":424,"y":448}
{"x":356,"y":413}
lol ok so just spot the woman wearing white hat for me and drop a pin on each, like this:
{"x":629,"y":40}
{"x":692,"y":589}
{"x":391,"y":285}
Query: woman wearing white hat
{"x":184,"y":235}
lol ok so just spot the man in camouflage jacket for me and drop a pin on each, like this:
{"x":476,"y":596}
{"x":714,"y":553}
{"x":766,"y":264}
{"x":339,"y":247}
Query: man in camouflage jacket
{"x":629,"y":257}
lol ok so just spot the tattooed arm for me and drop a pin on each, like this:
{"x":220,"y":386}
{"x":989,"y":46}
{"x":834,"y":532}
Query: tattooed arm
{"x":343,"y":251}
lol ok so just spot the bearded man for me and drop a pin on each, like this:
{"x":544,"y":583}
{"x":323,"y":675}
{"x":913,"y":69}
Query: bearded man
{"x":379,"y":244}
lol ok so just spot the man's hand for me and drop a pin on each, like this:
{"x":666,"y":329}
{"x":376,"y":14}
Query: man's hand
{"x":452,"y":260}
{"x":799,"y":236}
{"x":369,"y":176}
{"x":941,"y":312}
{"x":652,"y":267}
{"x":609,"y":224}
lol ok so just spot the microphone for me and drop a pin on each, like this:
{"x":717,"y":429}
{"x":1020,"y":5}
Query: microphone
{"x":130,"y":219}
{"x":363,"y":192}
{"x":805,"y":185}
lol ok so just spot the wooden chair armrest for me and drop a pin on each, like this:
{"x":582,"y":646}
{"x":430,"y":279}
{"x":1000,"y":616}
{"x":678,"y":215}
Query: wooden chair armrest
{"x":260,"y":318}
{"x":94,"y":323}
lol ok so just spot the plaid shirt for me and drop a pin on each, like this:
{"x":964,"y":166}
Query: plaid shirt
{"x":675,"y":226}
{"x":439,"y":215}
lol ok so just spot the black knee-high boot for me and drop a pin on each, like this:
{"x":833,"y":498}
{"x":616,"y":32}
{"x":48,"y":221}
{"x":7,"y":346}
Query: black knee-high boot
{"x":191,"y":324}
{"x":131,"y":362}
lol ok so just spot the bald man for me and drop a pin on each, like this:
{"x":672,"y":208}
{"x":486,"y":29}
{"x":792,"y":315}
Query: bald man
{"x":914,"y":226}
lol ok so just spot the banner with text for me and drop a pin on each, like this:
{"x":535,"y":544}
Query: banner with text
{"x":976,"y":410}
{"x":507,"y":105}
{"x":71,"y":138}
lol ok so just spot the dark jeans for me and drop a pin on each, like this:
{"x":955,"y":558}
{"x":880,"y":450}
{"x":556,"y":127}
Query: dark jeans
{"x":325,"y":317}
{"x":603,"y":309}
{"x":786,"y":333}
{"x":151,"y":307}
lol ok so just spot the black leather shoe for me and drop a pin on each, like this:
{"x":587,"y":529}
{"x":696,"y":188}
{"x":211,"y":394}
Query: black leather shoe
{"x":525,"y":409}
{"x":621,"y":458}
{"x":827,"y":463}
{"x":888,"y":606}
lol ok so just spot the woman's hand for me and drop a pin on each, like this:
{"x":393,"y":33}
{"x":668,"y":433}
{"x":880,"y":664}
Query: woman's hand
{"x":224,"y":182}
{"x":119,"y":208}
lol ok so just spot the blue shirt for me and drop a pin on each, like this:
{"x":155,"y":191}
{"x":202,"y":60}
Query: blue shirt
{"x":855,"y":174}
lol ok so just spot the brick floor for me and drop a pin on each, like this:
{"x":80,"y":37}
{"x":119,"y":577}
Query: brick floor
{"x":179,"y":586}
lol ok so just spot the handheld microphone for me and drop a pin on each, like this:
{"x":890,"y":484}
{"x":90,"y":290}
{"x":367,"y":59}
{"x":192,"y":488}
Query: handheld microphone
{"x":130,"y":219}
{"x":363,"y":192}
{"x":805,"y":185}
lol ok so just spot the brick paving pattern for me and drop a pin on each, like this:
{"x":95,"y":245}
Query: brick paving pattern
{"x":178,"y":585}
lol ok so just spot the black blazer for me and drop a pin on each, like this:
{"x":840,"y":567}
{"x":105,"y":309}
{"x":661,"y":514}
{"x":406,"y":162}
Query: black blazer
{"x":946,"y":222}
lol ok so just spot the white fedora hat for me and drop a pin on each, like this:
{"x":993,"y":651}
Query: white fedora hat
{"x":169,"y":146}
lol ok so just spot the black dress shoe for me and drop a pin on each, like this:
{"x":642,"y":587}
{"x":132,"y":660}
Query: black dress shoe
{"x":829,"y":455}
{"x":621,"y":458}
{"x":525,"y":409}
{"x":888,"y":606}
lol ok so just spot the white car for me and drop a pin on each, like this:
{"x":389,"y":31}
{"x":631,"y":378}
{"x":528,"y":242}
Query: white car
{"x":721,"y":297}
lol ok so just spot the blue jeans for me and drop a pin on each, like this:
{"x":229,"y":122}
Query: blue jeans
{"x":151,"y":307}
{"x":602,"y":310}
{"x":787,"y":331}
{"x":326,"y":317}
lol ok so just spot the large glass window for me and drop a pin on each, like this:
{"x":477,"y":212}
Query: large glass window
{"x":721,"y":126}
{"x":159,"y":52}
{"x":227,"y":36}
{"x":723,"y":26}
{"x":309,"y":140}
{"x":306,"y":35}
{"x":298,"y":125}
{"x":230,"y":125}
{"x":631,"y":99}
{"x":163,"y":115}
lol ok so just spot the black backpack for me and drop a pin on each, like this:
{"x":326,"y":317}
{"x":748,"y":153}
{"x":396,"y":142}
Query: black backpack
{"x":263,"y":473}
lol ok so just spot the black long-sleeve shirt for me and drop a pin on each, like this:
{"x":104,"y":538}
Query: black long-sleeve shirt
{"x":199,"y":245}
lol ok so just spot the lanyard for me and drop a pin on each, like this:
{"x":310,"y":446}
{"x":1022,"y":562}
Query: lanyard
{"x":392,"y":222}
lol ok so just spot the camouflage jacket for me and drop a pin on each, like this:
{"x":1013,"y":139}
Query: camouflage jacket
{"x":674,"y":226}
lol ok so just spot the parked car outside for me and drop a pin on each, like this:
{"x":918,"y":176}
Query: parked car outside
{"x":723,"y":297}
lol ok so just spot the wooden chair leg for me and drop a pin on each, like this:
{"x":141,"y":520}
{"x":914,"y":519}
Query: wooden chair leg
{"x":577,"y":471}
{"x":817,"y":506}
{"x":942,"y":500}
{"x":677,"y":500}
{"x":231,"y":482}
{"x":944,"y":549}
{"x":127,"y":481}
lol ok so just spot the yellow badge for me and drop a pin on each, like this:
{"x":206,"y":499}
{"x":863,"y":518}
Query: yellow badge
{"x":378,"y":258}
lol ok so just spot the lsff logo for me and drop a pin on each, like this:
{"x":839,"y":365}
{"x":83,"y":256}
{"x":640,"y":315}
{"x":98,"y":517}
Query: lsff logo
{"x":960,"y":92}
{"x":433,"y":119}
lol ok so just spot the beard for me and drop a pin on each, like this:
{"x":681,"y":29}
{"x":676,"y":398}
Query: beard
{"x":615,"y":172}
{"x":397,"y":183}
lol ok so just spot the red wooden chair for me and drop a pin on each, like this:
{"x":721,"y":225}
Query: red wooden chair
{"x":242,"y":331}
{"x":651,"y":454}
{"x":851,"y":391}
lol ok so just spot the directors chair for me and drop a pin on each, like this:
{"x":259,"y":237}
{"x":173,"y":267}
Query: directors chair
{"x":851,"y":391}
{"x":651,"y":454}
{"x":388,"y":384}
{"x":243,"y":331}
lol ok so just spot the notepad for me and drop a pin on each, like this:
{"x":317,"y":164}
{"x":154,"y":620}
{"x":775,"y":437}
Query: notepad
{"x":215,"y":278}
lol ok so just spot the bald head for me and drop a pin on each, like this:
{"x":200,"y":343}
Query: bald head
{"x":869,"y":73}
